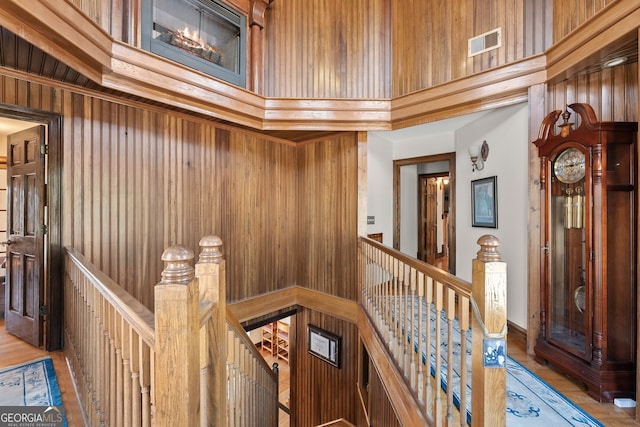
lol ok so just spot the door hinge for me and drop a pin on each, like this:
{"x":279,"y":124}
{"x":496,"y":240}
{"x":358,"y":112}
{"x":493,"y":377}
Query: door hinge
{"x":44,"y":149}
{"x":43,"y":228}
{"x":43,"y":310}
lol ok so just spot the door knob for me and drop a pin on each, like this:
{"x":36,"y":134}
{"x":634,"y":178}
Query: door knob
{"x":7,"y":242}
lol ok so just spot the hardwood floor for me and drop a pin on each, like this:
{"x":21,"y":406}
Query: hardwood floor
{"x":14,"y":351}
{"x":607,"y":413}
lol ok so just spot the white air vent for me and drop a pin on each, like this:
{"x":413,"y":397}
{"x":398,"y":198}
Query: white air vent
{"x":484,"y":42}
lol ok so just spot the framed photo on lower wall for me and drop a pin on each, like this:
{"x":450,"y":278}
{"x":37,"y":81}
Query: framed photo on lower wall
{"x":324,"y":345}
{"x":484,"y":202}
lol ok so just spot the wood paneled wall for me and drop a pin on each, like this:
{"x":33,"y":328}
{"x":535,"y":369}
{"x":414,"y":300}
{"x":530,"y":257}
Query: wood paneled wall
{"x":430,"y":39}
{"x":328,"y":49}
{"x":612,"y":92}
{"x":321,"y":392}
{"x":136,"y":181}
{"x":383,"y":49}
{"x":569,"y":14}
{"x":381,"y":411}
{"x":327,"y":215}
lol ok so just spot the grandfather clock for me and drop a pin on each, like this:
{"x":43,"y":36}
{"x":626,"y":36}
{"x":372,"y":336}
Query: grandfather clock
{"x":588,"y":234}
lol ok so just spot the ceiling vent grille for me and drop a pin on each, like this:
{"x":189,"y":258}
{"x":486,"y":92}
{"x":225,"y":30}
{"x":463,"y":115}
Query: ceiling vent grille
{"x":484,"y":42}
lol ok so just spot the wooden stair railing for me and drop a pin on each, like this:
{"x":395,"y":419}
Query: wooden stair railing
{"x":190,"y":363}
{"x":395,"y":290}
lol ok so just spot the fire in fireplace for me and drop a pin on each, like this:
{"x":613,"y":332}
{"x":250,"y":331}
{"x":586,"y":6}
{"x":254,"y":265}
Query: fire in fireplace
{"x":203,"y":34}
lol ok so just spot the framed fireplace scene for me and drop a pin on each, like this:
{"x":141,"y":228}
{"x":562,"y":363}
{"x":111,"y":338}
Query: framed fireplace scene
{"x":206,"y":35}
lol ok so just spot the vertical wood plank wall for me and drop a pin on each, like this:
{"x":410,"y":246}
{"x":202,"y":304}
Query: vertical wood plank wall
{"x":328,"y":49}
{"x":321,"y":392}
{"x":136,"y":180}
{"x":328,"y":203}
{"x":612,"y":92}
{"x":381,"y":411}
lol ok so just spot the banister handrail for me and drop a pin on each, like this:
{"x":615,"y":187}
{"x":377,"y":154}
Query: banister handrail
{"x":460,"y":285}
{"x":137,"y":315}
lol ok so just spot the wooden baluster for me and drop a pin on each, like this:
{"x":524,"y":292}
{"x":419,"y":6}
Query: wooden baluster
{"x":90,"y":361}
{"x":231,"y":384}
{"x":177,"y":335}
{"x":396,"y":309}
{"x":136,"y":397}
{"x":489,"y":290}
{"x":413,"y":375}
{"x":422,"y":343}
{"x":113,"y":357}
{"x":126,"y":372}
{"x":117,"y":325}
{"x":463,"y":303}
{"x":399,"y":314}
{"x":429,"y":338}
{"x":451,"y":313}
{"x":146,"y":375}
{"x":388,"y":303}
{"x":438,"y":352}
{"x":100,"y":358}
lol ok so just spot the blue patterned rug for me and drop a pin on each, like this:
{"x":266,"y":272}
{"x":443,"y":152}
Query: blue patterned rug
{"x":31,"y":384}
{"x":530,"y":400}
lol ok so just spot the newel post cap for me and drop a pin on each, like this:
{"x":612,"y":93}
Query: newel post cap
{"x":178,"y":268}
{"x":489,"y":248}
{"x":210,"y":249}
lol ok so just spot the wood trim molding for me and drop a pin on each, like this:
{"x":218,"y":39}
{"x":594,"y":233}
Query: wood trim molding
{"x":612,"y":27}
{"x":273,"y":302}
{"x":61,"y":30}
{"x":500,"y":86}
{"x":397,"y":164}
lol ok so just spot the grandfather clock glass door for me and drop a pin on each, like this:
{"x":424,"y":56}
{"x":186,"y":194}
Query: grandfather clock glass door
{"x":568,"y":265}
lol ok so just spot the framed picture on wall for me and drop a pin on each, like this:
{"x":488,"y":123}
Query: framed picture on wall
{"x":324,"y":345}
{"x":484,"y":202}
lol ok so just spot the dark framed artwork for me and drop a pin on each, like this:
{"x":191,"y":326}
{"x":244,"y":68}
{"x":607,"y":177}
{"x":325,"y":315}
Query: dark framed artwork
{"x":484,"y":202}
{"x":324,"y":345}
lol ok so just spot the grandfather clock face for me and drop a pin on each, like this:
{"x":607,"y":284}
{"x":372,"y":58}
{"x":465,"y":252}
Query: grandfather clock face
{"x":567,"y":254}
{"x":569,"y":166}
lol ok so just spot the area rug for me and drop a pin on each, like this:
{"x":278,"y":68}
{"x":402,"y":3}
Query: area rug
{"x":530,"y":400}
{"x":30,"y":384}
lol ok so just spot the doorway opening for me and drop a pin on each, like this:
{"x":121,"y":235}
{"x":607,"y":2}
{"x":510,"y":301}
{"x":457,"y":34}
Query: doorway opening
{"x":33,"y":164}
{"x":424,"y":209}
{"x":274,"y":338}
{"x":433,"y":219}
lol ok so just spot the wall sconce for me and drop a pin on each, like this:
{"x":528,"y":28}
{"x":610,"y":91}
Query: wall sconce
{"x":478,"y":155}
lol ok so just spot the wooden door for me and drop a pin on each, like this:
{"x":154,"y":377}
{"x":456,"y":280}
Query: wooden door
{"x":26,"y":231}
{"x":427,"y":220}
{"x":432,"y":220}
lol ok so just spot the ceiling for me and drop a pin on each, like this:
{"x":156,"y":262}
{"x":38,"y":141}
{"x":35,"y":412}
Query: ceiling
{"x":9,"y":126}
{"x":434,"y":128}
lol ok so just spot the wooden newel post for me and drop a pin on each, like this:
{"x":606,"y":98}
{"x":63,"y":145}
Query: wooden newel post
{"x":210,"y":271}
{"x":489,"y":337}
{"x":177,"y":327}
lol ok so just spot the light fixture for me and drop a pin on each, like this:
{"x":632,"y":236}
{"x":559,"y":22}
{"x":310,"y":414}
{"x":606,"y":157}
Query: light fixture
{"x":478,"y":155}
{"x":615,"y":61}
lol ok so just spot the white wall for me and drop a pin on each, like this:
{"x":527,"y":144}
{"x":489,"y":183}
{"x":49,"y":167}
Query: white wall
{"x":380,"y":187}
{"x":506,"y":132}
